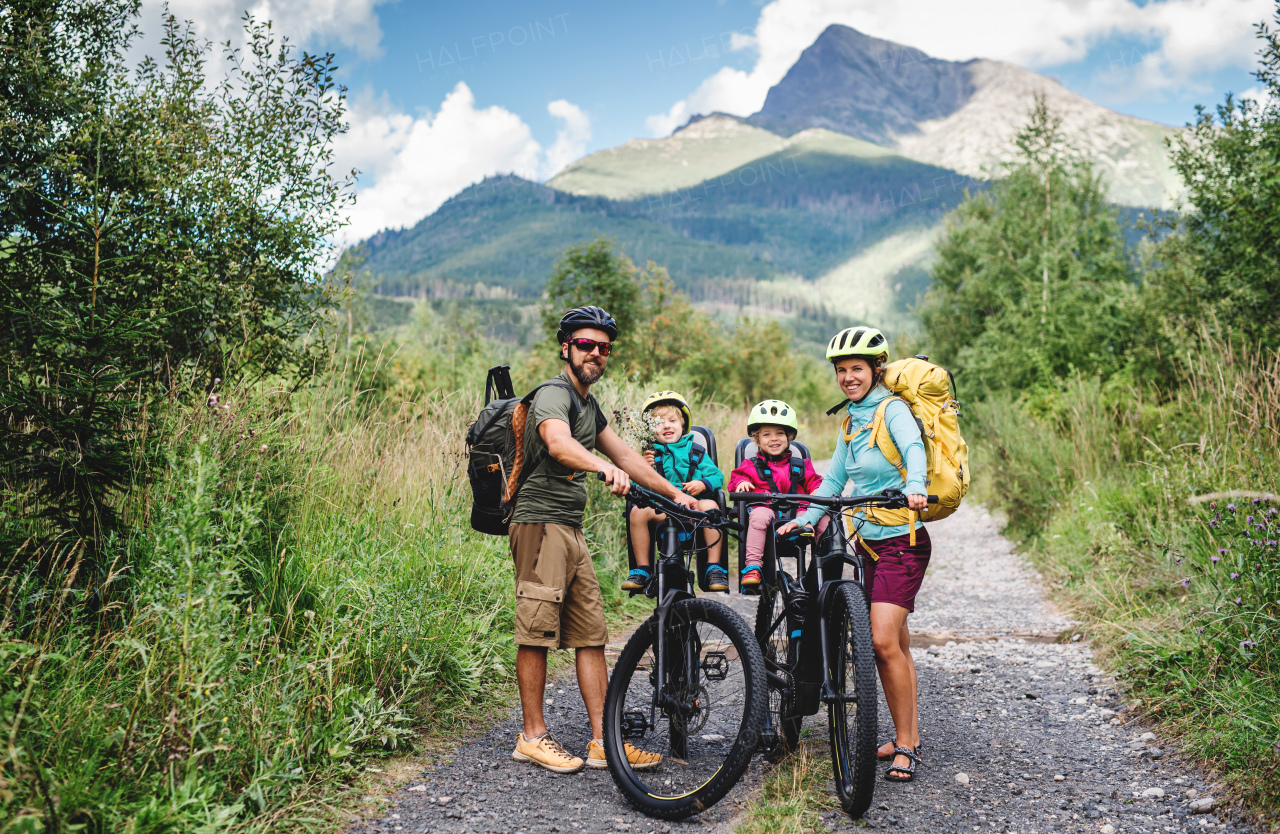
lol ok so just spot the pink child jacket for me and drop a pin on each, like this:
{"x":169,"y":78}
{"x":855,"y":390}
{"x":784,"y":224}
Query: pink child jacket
{"x":781,"y":472}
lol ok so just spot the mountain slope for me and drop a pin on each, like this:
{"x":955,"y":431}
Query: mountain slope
{"x":958,"y":115}
{"x":978,"y":137}
{"x":865,"y":87}
{"x":703,"y":150}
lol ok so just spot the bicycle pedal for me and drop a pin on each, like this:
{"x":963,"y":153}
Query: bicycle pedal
{"x":634,"y":724}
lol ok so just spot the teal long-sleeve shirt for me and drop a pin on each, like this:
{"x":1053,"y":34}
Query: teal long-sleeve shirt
{"x":867,"y":468}
{"x":672,"y":460}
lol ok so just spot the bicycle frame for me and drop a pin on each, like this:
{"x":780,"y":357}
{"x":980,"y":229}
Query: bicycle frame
{"x":672,"y":582}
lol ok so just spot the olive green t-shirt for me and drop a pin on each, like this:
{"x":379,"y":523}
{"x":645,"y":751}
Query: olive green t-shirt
{"x":552,"y":492}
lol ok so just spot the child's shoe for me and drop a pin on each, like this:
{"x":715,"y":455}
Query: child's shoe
{"x":717,"y":578}
{"x":636,"y":580}
{"x":751,"y":575}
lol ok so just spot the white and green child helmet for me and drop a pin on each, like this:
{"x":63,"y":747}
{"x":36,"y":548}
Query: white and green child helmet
{"x":773,"y":413}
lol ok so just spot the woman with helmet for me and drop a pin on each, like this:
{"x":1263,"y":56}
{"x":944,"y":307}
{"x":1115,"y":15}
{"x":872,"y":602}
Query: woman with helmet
{"x":894,"y":565}
{"x":676,"y":455}
{"x":771,"y":425}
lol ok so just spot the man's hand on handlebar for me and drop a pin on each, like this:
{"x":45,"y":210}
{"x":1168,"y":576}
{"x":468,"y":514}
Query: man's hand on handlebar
{"x":619,"y":482}
{"x":685,"y":500}
{"x":917,"y":502}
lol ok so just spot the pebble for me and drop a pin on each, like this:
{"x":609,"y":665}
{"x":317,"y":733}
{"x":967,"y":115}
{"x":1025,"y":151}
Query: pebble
{"x":1192,"y":793}
{"x":1108,"y":829}
{"x":1147,"y":737}
{"x":962,"y":778}
{"x":417,"y":788}
{"x":1153,"y":793}
{"x":1202,"y":805}
{"x":1058,"y":777}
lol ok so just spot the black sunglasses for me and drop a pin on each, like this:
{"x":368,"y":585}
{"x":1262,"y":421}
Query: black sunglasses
{"x":588,"y":345}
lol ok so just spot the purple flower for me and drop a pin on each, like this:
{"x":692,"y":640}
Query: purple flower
{"x":1235,"y":576}
{"x":1247,"y":643}
{"x":1186,"y":583}
{"x":1231,"y":508}
{"x":1200,"y":630}
{"x":1249,"y":519}
{"x":1215,"y":558}
{"x":1271,"y":511}
{"x":1238,"y":600}
{"x":1213,"y":523}
{"x":1223,"y":549}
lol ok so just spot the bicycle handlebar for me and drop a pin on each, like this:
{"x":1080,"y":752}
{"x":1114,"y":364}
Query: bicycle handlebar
{"x":889,"y":499}
{"x":668,"y":506}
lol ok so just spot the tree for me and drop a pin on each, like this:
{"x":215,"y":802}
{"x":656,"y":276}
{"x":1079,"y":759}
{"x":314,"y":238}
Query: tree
{"x":160,"y":231}
{"x":1219,"y":263}
{"x":1032,"y":277}
{"x":590,"y":273}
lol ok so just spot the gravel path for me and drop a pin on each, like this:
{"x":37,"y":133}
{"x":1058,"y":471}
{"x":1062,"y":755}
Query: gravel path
{"x":1020,"y":734}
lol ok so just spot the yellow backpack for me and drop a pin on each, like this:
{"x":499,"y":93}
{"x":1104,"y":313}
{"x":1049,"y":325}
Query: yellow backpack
{"x":928,"y":391}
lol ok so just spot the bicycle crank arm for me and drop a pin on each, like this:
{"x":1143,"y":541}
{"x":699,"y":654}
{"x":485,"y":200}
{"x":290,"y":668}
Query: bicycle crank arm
{"x":830,"y":696}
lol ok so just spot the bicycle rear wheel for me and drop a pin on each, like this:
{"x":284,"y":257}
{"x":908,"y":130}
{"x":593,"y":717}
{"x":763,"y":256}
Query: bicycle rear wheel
{"x":853,"y":718}
{"x":782,"y":724}
{"x":706,"y":719}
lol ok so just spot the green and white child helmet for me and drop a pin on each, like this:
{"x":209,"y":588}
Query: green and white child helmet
{"x":773,"y":413}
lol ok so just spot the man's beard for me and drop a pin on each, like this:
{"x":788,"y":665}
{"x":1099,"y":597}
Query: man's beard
{"x":586,"y":374}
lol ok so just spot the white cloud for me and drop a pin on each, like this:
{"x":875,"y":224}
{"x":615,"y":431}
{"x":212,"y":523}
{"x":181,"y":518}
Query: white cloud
{"x":413,"y":164}
{"x":307,"y":23}
{"x":571,"y":139}
{"x":1193,"y":36}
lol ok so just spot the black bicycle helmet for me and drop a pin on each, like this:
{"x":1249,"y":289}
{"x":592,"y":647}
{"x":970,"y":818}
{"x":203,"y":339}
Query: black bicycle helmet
{"x":579,"y":317}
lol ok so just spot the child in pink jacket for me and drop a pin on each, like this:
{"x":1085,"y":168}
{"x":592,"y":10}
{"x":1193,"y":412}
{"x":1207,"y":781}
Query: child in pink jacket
{"x":772,"y":425}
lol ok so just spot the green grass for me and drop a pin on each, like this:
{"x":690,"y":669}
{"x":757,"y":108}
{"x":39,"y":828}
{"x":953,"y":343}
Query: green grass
{"x":1183,"y":598}
{"x":300,"y":595}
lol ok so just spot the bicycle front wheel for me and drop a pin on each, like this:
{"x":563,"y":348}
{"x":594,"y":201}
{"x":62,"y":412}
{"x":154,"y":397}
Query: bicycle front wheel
{"x":704,"y":716}
{"x":853,"y":717}
{"x":782,"y":723}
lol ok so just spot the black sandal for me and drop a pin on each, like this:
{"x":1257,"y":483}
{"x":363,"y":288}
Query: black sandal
{"x":891,"y":756}
{"x":909,"y":769}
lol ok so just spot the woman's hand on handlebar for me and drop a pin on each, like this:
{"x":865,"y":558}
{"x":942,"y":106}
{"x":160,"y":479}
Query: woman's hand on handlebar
{"x":619,"y":482}
{"x":917,"y":502}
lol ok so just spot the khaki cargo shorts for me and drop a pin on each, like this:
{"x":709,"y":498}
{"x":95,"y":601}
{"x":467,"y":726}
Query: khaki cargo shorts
{"x":558,"y":602}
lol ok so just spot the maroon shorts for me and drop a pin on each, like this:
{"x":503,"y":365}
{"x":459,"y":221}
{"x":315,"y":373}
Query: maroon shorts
{"x":897,"y":575}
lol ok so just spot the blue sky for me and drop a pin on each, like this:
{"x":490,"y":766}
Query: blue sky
{"x":443,"y":94}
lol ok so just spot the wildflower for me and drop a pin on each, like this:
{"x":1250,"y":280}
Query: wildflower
{"x":1231,"y":508}
{"x":1223,"y":549}
{"x":1186,"y":583}
{"x":1247,"y":643}
{"x":1213,"y":523}
{"x":1235,"y":576}
{"x":1248,"y":519}
{"x":1238,"y":600}
{"x":1215,"y":558}
{"x":1200,"y":630}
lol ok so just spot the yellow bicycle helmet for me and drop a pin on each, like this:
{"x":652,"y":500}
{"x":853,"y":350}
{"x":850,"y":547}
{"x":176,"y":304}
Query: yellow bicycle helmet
{"x":773,"y":413}
{"x":669,"y":398}
{"x":866,"y":342}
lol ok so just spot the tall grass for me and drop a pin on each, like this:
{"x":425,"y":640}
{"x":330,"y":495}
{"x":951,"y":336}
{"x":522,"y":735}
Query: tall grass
{"x":300,"y":591}
{"x":1153,"y":513}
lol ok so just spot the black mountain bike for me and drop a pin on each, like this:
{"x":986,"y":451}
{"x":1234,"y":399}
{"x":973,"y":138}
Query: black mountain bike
{"x":814,"y":629}
{"x":689,"y":684}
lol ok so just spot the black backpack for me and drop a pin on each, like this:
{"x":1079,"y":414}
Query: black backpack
{"x":491,"y":451}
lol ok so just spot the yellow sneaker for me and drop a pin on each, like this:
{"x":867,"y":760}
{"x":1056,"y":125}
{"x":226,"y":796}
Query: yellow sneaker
{"x":639,"y":759}
{"x":546,"y":752}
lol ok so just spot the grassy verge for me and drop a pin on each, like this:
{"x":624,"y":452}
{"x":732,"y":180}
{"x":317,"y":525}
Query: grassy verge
{"x":300,"y":598}
{"x":795,"y":793}
{"x":1147,"y":514}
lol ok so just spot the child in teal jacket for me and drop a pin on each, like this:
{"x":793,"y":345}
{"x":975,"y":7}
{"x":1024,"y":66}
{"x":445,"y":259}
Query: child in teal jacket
{"x":685,"y":464}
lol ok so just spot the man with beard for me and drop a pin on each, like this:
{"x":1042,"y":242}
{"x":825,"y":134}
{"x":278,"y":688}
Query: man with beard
{"x":558,"y":602}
